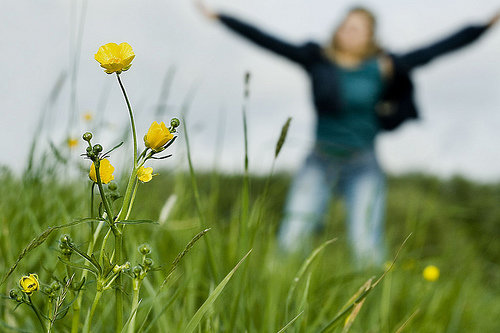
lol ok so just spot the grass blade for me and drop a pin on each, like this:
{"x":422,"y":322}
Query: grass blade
{"x":290,"y":323}
{"x":303,"y":269}
{"x":198,"y":316}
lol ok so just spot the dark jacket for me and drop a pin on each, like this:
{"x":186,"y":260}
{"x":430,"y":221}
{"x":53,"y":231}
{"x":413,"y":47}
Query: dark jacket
{"x":397,"y":104}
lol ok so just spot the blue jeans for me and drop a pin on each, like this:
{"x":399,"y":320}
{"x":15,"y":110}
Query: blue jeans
{"x":358,"y":177}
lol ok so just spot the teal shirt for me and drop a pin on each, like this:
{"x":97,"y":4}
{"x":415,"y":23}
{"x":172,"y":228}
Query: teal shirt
{"x":355,"y":125}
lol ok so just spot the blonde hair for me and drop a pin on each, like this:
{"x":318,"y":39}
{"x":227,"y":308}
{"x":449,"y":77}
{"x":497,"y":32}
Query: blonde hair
{"x":373,"y":47}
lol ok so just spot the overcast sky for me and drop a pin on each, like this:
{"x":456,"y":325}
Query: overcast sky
{"x":458,"y":94}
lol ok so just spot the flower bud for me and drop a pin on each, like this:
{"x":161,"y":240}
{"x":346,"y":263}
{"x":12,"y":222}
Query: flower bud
{"x":137,"y":270}
{"x":97,"y":149}
{"x":55,"y":286}
{"x":90,"y":153}
{"x":13,"y":294}
{"x":148,"y":262}
{"x":87,"y":136}
{"x":144,"y":249}
{"x":175,"y":122}
{"x":65,"y":239}
{"x":112,"y":186}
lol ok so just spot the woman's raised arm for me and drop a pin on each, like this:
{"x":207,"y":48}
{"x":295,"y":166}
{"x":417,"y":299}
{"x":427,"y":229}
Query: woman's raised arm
{"x":302,"y":54}
{"x":455,"y":41}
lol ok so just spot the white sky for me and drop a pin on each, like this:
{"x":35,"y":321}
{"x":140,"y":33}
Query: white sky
{"x":458,"y":95}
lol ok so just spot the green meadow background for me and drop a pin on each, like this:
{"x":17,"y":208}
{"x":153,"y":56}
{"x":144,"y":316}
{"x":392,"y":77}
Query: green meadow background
{"x":452,"y":224}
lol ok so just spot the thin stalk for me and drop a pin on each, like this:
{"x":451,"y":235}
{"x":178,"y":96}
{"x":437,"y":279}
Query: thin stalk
{"x":77,"y":305}
{"x":130,"y":185}
{"x":40,"y":319}
{"x":132,"y":122}
{"x":128,"y":195}
{"x":118,"y":253}
{"x":118,"y":283}
{"x":92,"y":200}
{"x":135,"y":303}
{"x":245,"y":190}
{"x":90,"y":315}
{"x":132,"y":199}
{"x":107,"y":207}
{"x":103,"y":245}
{"x":211,"y":259}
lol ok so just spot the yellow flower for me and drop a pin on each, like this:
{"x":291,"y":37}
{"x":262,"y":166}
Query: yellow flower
{"x":157,"y":136}
{"x":29,"y":284}
{"x":145,"y":174}
{"x":87,"y":116}
{"x":105,"y":171}
{"x":72,"y":143}
{"x":115,"y":58}
{"x":431,"y":273}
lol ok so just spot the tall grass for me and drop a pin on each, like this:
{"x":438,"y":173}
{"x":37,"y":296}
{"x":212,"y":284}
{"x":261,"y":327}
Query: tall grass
{"x":454,"y":226}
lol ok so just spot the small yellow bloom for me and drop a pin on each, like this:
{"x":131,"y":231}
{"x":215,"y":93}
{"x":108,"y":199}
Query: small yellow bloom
{"x":157,"y":136}
{"x":29,"y":284}
{"x":72,"y":143}
{"x":145,"y":174}
{"x":88,"y":116}
{"x":431,"y":273}
{"x":105,"y":171}
{"x":115,"y":58}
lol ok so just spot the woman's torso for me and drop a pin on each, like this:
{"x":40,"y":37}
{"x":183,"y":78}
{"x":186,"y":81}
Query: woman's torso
{"x":345,"y":101}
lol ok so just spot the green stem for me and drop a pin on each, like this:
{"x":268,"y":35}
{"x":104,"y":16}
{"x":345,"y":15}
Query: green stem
{"x":128,"y":195}
{"x":92,"y":200}
{"x":132,"y":122}
{"x":40,"y":319}
{"x":132,"y":199}
{"x":90,"y":314}
{"x":107,"y":207}
{"x":118,"y":282}
{"x":103,"y":246}
{"x":77,"y":305}
{"x":135,"y":303}
{"x":201,"y":216}
{"x":130,"y":185}
{"x":75,"y":322}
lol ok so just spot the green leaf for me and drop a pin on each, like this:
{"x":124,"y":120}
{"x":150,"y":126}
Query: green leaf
{"x":115,"y":147}
{"x":137,"y":222}
{"x":80,"y":266}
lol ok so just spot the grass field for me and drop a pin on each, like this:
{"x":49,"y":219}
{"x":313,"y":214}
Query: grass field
{"x":453,"y":225}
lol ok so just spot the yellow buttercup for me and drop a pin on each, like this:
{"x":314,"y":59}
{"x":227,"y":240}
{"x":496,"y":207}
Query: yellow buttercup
{"x":158,"y":135}
{"x":431,"y":273}
{"x":145,"y":174}
{"x":29,"y":284}
{"x":115,"y":58}
{"x":105,"y":171}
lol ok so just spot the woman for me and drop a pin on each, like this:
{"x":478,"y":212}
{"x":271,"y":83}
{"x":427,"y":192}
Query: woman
{"x":358,"y":90}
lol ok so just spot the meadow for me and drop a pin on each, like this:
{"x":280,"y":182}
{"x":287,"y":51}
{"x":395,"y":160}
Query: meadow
{"x":453,"y":225}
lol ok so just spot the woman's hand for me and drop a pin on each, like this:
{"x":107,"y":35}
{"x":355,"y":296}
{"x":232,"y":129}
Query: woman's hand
{"x":204,"y":10}
{"x":494,"y":19}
